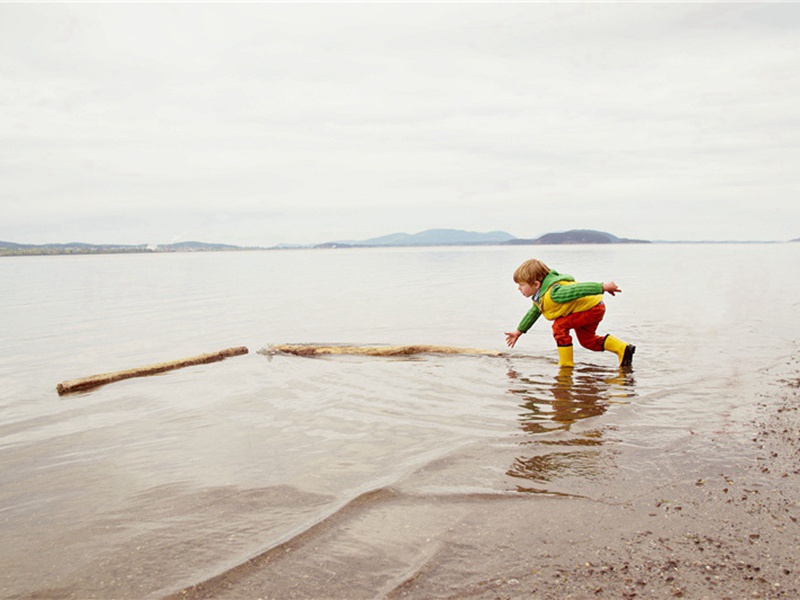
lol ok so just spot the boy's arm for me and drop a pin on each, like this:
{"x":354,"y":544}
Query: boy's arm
{"x":529,"y":319}
{"x":568,"y":293}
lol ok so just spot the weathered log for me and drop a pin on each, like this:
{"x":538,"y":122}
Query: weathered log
{"x":318,"y":350}
{"x":84,"y":383}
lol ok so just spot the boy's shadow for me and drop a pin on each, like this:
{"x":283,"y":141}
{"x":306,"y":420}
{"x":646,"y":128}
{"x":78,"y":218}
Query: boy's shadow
{"x":552,"y":405}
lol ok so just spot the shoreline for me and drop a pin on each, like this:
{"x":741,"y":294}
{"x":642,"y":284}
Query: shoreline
{"x":712,"y":533}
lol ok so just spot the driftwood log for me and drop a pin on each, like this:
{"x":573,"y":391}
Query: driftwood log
{"x":317,"y":350}
{"x":85,"y":383}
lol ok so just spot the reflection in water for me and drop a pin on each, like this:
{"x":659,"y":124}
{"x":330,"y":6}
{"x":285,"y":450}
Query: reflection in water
{"x":552,"y":406}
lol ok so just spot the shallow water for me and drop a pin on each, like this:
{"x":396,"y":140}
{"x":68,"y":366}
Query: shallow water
{"x":145,"y":486}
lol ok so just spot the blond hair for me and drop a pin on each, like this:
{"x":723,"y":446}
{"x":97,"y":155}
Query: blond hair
{"x":531,"y":271}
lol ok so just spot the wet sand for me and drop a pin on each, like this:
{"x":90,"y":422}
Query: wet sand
{"x":709,"y":531}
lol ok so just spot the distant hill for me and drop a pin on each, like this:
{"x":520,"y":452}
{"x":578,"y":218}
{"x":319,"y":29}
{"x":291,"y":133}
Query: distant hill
{"x":577,"y":236}
{"x":430,"y":237}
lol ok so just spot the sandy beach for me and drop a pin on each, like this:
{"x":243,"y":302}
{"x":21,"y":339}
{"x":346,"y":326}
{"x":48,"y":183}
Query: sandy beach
{"x":710,"y":532}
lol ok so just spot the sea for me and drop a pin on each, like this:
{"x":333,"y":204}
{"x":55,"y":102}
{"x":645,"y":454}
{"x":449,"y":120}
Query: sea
{"x":147,"y":486}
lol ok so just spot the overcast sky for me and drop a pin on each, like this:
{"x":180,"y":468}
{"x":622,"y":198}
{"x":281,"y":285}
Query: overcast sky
{"x":262,"y":123}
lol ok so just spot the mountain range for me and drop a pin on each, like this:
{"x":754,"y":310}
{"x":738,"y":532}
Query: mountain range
{"x":430,"y":237}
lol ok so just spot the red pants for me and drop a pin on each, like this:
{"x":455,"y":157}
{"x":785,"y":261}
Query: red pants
{"x":585,"y":325}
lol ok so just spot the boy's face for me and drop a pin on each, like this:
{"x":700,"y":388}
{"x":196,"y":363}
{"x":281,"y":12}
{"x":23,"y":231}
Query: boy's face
{"x":529,"y":289}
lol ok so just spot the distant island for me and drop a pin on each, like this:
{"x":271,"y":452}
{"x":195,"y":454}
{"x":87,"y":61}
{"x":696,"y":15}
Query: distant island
{"x":430,"y":237}
{"x":12,"y":249}
{"x":579,"y":236}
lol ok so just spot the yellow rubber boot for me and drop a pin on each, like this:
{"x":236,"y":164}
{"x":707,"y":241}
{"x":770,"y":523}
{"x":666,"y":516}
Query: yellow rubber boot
{"x":621,"y":349}
{"x":565,"y":356}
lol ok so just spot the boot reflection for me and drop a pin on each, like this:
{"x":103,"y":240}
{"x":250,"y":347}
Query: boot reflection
{"x":620,"y":384}
{"x":558,"y":404}
{"x":553,"y":407}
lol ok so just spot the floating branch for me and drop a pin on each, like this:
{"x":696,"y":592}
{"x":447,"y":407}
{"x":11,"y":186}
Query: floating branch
{"x":84,"y":383}
{"x":317,"y":350}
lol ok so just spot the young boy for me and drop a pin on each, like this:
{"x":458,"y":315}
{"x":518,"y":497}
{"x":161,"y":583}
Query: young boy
{"x":569,"y":305}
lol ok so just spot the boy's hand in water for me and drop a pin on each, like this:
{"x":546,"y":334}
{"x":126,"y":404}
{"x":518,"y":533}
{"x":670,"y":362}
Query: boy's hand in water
{"x":512,"y":337}
{"x":611,"y":287}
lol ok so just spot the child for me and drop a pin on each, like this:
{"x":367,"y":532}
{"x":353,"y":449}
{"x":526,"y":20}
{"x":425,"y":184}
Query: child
{"x":569,"y":305}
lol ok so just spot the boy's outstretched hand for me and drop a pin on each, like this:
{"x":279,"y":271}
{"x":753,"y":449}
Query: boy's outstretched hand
{"x":611,"y":287}
{"x":512,"y":337}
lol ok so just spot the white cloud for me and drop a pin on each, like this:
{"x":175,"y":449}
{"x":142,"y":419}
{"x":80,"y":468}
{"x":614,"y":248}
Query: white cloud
{"x":269,"y":123}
